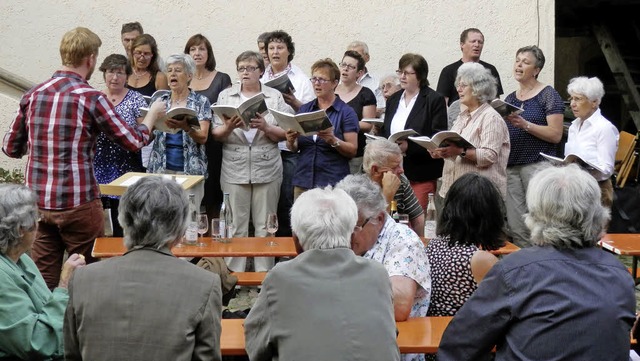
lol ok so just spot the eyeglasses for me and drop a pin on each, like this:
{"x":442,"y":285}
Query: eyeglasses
{"x":139,"y":54}
{"x":462,"y":85}
{"x":250,"y":69}
{"x":360,"y":228}
{"x":316,"y":80}
{"x":577,"y":99}
{"x":348,"y":66}
{"x":387,"y":86}
{"x":115,"y":73}
{"x":404,"y":72}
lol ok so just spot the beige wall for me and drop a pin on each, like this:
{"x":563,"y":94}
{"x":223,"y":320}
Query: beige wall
{"x":319,"y":29}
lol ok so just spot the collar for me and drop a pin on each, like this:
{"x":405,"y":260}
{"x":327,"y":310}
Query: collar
{"x":237,"y":87}
{"x":164,"y":250}
{"x":271,"y":75}
{"x":596,"y":115}
{"x":69,"y":74}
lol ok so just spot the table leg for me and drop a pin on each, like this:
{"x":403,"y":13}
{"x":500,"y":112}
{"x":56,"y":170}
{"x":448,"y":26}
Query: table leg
{"x":634,"y":269}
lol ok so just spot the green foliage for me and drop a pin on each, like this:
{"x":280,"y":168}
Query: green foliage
{"x":11,"y":176}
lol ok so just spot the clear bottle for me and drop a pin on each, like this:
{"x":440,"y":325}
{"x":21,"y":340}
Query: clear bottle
{"x":430,"y":219}
{"x":393,"y":211}
{"x":191,"y":235}
{"x":226,"y":219}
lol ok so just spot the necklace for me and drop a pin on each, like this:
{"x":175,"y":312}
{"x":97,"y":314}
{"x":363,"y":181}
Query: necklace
{"x":179,"y":101}
{"x":204,"y":74}
{"x":526,"y":91}
{"x":138,"y":76}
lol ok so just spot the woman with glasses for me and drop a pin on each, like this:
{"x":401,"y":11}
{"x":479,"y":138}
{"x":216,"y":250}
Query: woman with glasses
{"x":182,"y":152}
{"x":538,"y":129}
{"x":146,"y":76}
{"x":112,"y":161}
{"x":209,"y":82}
{"x":251,"y":165}
{"x":360,"y":98}
{"x":324,"y":157}
{"x":422,"y":109}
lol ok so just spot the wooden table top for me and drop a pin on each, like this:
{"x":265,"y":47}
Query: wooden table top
{"x":508,"y":247}
{"x":238,"y":247}
{"x":120,"y":185}
{"x":626,"y":244}
{"x":416,"y":335}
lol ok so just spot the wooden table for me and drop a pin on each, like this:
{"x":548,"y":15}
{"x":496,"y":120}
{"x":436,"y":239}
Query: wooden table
{"x":508,"y":247}
{"x":625,"y":244}
{"x":119,"y":185}
{"x":416,"y":335}
{"x":238,"y":247}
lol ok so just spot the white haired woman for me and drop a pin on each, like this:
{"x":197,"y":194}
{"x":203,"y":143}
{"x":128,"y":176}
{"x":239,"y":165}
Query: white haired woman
{"x":31,"y":316}
{"x":183,"y":152}
{"x":591,"y":135}
{"x":481,"y":125}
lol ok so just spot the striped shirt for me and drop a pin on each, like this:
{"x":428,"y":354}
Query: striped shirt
{"x":56,"y":126}
{"x":485,"y":129}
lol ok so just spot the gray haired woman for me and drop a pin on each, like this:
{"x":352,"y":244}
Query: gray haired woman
{"x":482,"y":126}
{"x":183,"y":152}
{"x":31,"y":316}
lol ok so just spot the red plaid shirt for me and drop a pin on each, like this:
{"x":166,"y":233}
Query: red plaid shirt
{"x":57,"y":124}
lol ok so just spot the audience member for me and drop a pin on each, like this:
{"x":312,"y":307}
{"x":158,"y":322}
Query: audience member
{"x":56,"y":126}
{"x":146,"y":304}
{"x":209,"y":82}
{"x":471,"y":44}
{"x":111,"y":161}
{"x":262,"y":48}
{"x":327,"y":303}
{"x":280,"y":50}
{"x":367,"y":79}
{"x":471,"y":224}
{"x":324,"y":158}
{"x":128,"y":33}
{"x":591,"y":135}
{"x":538,"y":303}
{"x":536,"y":130}
{"x":31,"y":316}
{"x":183,"y":152}
{"x":482,"y":126}
{"x":360,"y":98}
{"x":420,"y":108}
{"x":378,"y":237}
{"x":382,"y":162}
{"x":251,"y":164}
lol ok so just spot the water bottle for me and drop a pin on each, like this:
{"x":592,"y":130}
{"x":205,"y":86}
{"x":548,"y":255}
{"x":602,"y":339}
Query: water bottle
{"x":430,"y":219}
{"x":191,"y":235}
{"x":226,"y":219}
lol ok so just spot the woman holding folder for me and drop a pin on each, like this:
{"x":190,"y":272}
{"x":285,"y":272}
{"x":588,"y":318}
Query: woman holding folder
{"x":251,"y":164}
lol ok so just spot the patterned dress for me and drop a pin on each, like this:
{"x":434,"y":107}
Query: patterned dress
{"x":111,"y":161}
{"x":452,"y":282}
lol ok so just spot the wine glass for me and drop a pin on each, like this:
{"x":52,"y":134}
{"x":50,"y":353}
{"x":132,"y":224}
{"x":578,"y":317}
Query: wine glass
{"x":272,"y":227}
{"x":203,"y":226}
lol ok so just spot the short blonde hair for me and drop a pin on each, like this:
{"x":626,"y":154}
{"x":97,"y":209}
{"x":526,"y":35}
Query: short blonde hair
{"x":77,"y":44}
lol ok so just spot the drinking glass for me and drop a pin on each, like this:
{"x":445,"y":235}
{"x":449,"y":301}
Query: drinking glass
{"x":203,"y":226}
{"x":216,"y":231}
{"x":272,"y":227}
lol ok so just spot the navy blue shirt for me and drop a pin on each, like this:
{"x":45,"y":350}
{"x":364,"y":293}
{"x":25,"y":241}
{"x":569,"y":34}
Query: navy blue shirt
{"x":543,"y":303}
{"x":319,"y":164}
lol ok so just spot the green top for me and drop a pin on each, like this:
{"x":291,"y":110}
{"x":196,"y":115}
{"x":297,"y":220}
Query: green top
{"x":31,"y":316}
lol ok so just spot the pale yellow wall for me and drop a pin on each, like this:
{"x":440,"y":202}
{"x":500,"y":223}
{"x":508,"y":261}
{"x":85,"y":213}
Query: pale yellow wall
{"x":31,"y":30}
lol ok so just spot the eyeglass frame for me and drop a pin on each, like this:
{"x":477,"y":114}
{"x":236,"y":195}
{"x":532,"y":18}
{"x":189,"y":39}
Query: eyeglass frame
{"x":142,"y":54}
{"x":321,"y":81}
{"x":242,"y":69}
{"x":358,"y":228}
{"x":404,"y":72}
{"x":348,"y":66}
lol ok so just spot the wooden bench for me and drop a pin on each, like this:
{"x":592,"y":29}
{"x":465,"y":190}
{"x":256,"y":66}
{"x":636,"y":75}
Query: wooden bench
{"x":250,"y":278}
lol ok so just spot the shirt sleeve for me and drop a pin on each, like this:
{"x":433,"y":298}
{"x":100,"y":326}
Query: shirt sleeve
{"x":553,"y":103}
{"x":207,"y":333}
{"x":481,"y":322}
{"x":116,"y":129}
{"x":493,"y":134}
{"x":607,"y":148}
{"x":410,"y":204}
{"x":257,"y":327}
{"x":28,"y":330}
{"x":349,"y":120}
{"x":407,"y":257}
{"x":203,"y":107}
{"x":16,"y":139}
{"x":368,"y":97}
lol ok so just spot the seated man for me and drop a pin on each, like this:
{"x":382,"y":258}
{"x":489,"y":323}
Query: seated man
{"x":325,"y":304}
{"x":382,"y":162}
{"x":147,"y":304}
{"x":399,"y":249}
{"x":562,"y":299}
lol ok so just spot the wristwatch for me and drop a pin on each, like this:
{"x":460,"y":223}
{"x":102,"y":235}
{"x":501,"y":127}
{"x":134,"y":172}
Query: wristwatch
{"x":336,"y":144}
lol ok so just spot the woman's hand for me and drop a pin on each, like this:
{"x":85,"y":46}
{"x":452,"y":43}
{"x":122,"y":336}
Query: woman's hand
{"x":327,"y":135}
{"x":178,"y":124}
{"x":74,"y":261}
{"x":233,"y":122}
{"x":449,"y":151}
{"x":259,"y":123}
{"x":517,"y":121}
{"x":292,"y":136}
